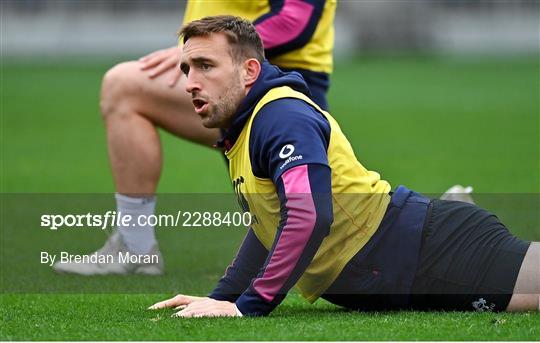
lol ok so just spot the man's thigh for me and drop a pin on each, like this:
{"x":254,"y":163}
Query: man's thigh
{"x":526,"y":295}
{"x":167,"y":107}
{"x":469,"y":260}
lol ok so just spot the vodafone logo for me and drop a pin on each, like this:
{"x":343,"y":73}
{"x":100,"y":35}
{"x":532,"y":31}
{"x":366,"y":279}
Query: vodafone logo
{"x":286,"y":151}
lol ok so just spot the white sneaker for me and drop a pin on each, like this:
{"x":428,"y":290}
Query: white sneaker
{"x":459,"y":193}
{"x":114,"y":258}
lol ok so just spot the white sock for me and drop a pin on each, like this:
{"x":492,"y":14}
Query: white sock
{"x":138,"y":239}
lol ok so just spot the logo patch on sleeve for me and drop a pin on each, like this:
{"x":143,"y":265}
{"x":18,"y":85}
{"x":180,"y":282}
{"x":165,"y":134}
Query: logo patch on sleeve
{"x":287,"y":151}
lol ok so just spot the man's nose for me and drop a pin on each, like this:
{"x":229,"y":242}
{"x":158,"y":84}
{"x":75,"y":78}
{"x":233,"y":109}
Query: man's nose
{"x":192,"y":84}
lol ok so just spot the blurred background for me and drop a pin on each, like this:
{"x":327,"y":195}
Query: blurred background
{"x":124,"y":27}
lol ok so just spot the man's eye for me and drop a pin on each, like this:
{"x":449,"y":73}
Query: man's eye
{"x":205,"y":66}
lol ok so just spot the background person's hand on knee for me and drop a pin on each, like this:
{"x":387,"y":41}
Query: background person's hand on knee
{"x":158,"y":62}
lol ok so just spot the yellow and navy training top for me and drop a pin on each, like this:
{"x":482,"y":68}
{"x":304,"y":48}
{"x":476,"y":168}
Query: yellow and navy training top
{"x":313,"y":205}
{"x":296,"y":34}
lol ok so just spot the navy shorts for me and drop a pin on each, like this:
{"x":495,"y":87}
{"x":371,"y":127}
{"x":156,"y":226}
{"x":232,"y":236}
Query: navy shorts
{"x":379,"y":277}
{"x":466,"y":260}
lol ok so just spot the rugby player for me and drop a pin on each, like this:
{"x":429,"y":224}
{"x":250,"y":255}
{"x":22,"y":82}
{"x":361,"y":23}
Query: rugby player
{"x":320,"y":220}
{"x":139,"y":96}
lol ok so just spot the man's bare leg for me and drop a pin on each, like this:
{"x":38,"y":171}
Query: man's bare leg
{"x":134,"y":103}
{"x":133,"y":106}
{"x":526,"y":295}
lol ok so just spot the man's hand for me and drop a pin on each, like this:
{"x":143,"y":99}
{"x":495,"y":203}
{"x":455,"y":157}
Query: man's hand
{"x":178,"y":302}
{"x":190,"y":306}
{"x":208,"y":308}
{"x":161,"y":61}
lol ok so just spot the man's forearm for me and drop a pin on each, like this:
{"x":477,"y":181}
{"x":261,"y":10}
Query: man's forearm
{"x":306,"y":219}
{"x":245,"y":266}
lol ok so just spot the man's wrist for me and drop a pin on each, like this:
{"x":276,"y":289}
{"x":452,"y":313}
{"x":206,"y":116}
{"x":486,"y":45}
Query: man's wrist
{"x":238,"y":313}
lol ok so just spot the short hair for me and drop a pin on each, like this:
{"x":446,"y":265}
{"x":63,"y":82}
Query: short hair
{"x":243,"y":39}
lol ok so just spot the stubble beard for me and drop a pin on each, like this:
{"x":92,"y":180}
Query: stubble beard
{"x":226,"y":106}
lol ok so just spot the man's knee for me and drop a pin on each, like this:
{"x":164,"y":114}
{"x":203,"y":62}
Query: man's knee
{"x":119,"y":83}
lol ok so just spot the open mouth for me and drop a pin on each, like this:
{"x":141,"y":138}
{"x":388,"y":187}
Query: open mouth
{"x":200,"y":105}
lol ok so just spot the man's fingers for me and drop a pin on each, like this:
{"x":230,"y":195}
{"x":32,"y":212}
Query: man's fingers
{"x":191,"y":309}
{"x":157,"y":59}
{"x":152,"y":62}
{"x":207,"y":308}
{"x":154,"y":57}
{"x":180,"y":301}
{"x":189,"y":314}
{"x":161,"y":304}
{"x":163,"y":67}
{"x":175,"y":301}
{"x":155,"y":306}
{"x":160,"y":61}
{"x":182,"y":314}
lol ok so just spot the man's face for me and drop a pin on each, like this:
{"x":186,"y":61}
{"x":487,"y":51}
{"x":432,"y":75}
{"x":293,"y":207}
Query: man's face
{"x":213,"y":79}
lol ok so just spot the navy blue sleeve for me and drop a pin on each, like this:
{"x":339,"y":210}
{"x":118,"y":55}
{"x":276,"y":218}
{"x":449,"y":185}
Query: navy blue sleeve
{"x":287,"y":133}
{"x":305,"y":194}
{"x":288,"y":144}
{"x":289,"y":25}
{"x":245,"y":266}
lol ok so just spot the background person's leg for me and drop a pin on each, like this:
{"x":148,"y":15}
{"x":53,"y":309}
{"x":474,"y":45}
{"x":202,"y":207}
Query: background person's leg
{"x":526,"y":295}
{"x":133,"y":107}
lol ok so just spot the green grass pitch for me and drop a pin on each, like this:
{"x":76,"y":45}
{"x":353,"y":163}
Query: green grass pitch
{"x":424,"y":122}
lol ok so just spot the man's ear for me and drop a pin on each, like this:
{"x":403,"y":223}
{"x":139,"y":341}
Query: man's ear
{"x":252,"y":69}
